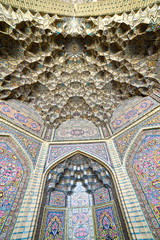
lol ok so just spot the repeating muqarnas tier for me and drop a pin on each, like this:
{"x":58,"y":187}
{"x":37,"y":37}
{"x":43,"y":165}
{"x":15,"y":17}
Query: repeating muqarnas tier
{"x":84,"y":71}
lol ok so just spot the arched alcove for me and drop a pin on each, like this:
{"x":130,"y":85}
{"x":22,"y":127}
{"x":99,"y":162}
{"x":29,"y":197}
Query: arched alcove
{"x":80,"y":202}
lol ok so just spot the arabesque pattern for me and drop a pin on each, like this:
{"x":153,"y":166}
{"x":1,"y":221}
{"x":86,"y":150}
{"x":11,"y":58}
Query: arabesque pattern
{"x":31,"y":145}
{"x":53,"y":224}
{"x":107,"y":223}
{"x":143,"y":168}
{"x":19,"y":118}
{"x":122,"y":141}
{"x":80,"y":224}
{"x":15,"y":172}
{"x":133,"y":113}
{"x":98,"y":150}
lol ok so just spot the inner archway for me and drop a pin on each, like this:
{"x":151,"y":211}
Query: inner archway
{"x":80,"y":203}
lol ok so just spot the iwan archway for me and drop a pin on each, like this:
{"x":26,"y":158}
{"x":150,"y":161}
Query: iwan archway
{"x":80,"y":202}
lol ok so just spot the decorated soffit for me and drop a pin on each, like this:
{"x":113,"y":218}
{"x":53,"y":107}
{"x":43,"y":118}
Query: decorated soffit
{"x":69,"y":67}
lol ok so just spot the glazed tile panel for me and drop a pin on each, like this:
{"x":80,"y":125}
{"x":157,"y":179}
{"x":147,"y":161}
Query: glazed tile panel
{"x":98,"y":150}
{"x":122,"y":141}
{"x":107,"y":223}
{"x":53,"y":226}
{"x":132,"y":114}
{"x":77,"y":129}
{"x":102,"y":195}
{"x":31,"y":145}
{"x":79,"y":197}
{"x":19,"y":118}
{"x":57,"y":199}
{"x":14,"y":177}
{"x":143,"y":169}
{"x":80,"y":224}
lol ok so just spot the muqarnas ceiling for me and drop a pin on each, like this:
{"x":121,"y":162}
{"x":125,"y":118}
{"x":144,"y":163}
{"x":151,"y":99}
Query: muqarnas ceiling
{"x":77,"y":67}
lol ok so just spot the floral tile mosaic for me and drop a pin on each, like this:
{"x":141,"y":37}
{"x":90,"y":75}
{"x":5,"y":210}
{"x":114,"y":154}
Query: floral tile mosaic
{"x":31,"y":145}
{"x":143,"y":169}
{"x":20,"y":118}
{"x":107,"y":223}
{"x":133,"y":114}
{"x":80,"y":224}
{"x":14,"y":176}
{"x":122,"y":141}
{"x":98,"y":150}
{"x":53,"y":226}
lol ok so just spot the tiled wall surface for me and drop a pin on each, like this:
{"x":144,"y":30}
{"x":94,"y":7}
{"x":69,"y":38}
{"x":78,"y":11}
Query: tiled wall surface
{"x":123,"y":140}
{"x":26,"y":221}
{"x":126,"y":171}
{"x":31,"y":145}
{"x":142,"y":164}
{"x":133,"y":113}
{"x":76,"y":130}
{"x":14,"y":177}
{"x":17,"y":116}
{"x":138,"y":226}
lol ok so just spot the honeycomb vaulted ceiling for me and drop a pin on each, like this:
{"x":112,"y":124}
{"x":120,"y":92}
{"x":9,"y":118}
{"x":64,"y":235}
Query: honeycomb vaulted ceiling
{"x":77,"y":67}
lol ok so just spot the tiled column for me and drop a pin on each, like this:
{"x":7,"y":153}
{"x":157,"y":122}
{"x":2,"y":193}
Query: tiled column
{"x":137,"y":224}
{"x":26,"y":220}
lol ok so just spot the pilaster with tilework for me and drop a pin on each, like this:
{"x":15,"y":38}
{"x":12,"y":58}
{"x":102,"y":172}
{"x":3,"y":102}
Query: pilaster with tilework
{"x":138,"y":226}
{"x":26,"y":220}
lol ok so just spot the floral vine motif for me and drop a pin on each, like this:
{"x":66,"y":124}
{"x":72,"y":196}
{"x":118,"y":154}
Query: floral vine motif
{"x":143,"y":168}
{"x":108,"y":228}
{"x":54,"y":229}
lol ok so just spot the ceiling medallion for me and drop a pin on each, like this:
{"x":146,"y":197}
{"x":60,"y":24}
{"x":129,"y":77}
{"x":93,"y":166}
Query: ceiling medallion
{"x":74,"y":49}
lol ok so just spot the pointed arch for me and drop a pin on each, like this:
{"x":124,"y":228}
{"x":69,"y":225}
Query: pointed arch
{"x":54,"y":211}
{"x":85,"y":153}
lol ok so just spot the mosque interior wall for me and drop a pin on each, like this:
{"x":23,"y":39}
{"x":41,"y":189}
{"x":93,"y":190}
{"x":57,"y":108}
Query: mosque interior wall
{"x":80,"y":169}
{"x":130,"y":156}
